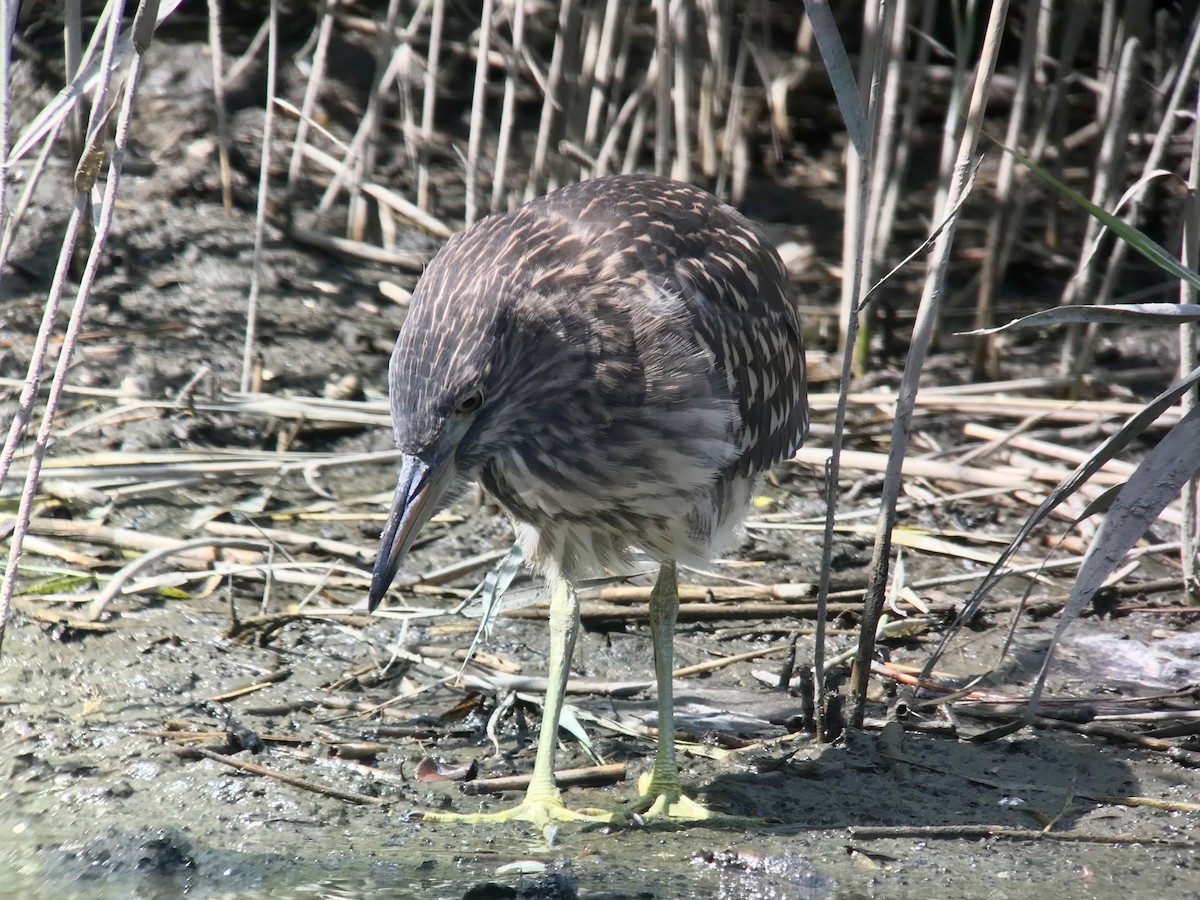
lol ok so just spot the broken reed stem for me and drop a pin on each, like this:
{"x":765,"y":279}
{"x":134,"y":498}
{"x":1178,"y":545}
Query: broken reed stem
{"x":927,"y":316}
{"x":260,"y":212}
{"x":1189,"y":356}
{"x":1077,"y":349}
{"x":550,"y":102}
{"x":478,"y":107}
{"x":984,"y":360}
{"x":85,"y":176}
{"x":429,"y":103}
{"x":217,"y":54}
{"x":507,"y":113}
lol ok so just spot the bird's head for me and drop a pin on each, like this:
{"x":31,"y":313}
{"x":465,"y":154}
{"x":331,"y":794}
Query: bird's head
{"x":472,"y":373}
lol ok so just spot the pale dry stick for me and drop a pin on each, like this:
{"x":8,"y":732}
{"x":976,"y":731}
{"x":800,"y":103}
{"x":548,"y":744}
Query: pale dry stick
{"x":46,"y":126}
{"x":1189,"y":357}
{"x":662,"y":87}
{"x":1108,"y":40}
{"x":602,"y":86}
{"x":1114,"y":265}
{"x":364,"y":161}
{"x":863,"y":147}
{"x":408,"y":210}
{"x":94,"y":72}
{"x":72,"y":39}
{"x":96,"y":608}
{"x":260,"y":213}
{"x":429,"y":102}
{"x":262,"y":771}
{"x":857,"y":251}
{"x":737,"y":103}
{"x":1000,"y":440}
{"x":706,"y":125}
{"x":478,"y":108}
{"x":637,"y":128}
{"x":142,"y":31}
{"x":126,"y":540}
{"x":913,"y":75}
{"x":1044,"y":448}
{"x":887,"y":147}
{"x":217,"y":57}
{"x":927,"y":315}
{"x":621,"y":67}
{"x":592,"y":776}
{"x":681,"y":21}
{"x":295,"y":539}
{"x":573,"y":146}
{"x":935,"y":470}
{"x":402,"y":259}
{"x":632,"y":104}
{"x":550,"y":101}
{"x":507,"y":115}
{"x":8,"y":22}
{"x":1049,"y":118}
{"x":1110,"y":166}
{"x":312,"y":88}
{"x":984,"y":359}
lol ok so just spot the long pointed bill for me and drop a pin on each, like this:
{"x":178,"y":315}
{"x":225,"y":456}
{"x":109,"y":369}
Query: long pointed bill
{"x":418,"y":493}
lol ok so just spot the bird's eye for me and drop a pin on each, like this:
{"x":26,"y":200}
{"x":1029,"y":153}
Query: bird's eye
{"x":470,"y":403}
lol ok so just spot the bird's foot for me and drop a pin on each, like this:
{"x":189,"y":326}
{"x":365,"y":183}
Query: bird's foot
{"x":663,"y":798}
{"x":540,"y":809}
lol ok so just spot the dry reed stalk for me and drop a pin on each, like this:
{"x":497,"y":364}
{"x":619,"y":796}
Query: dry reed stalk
{"x":662,"y":87}
{"x":407,"y":210}
{"x":551,"y":100}
{"x":984,"y":360}
{"x":1189,"y":356}
{"x":858,"y":251}
{"x":885,"y":170}
{"x":478,"y":107}
{"x":260,"y":212}
{"x":1179,"y":79}
{"x":1110,"y":166}
{"x":7,"y":24}
{"x":602,"y":83}
{"x":927,"y":315}
{"x":681,"y":93}
{"x":217,"y":54}
{"x":429,"y":102}
{"x":86,"y":172}
{"x":507,"y":114}
{"x":312,"y":90}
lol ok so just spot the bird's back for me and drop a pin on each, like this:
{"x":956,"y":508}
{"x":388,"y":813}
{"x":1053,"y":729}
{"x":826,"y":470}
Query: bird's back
{"x":667,"y":370}
{"x":727,"y":275}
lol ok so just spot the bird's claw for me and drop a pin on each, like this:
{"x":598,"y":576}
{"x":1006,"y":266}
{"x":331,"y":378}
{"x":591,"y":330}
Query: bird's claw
{"x":659,"y":800}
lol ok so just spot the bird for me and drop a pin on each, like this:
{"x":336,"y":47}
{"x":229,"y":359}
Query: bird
{"x":617,"y":364}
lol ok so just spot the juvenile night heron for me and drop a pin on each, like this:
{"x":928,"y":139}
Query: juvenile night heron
{"x":616,"y":363}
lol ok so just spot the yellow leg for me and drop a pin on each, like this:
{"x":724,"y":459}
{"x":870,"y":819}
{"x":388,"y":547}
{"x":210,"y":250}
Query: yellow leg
{"x":543,"y":802}
{"x":661,"y":793}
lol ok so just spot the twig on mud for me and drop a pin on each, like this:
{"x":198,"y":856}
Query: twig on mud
{"x":295,"y":539}
{"x":975,"y":832}
{"x":589,"y":776}
{"x":264,"y":681}
{"x":1010,"y":477}
{"x":128,"y":539}
{"x":254,"y":769}
{"x":704,"y":612}
{"x":268,"y":625}
{"x":401,"y":259}
{"x":96,"y":608}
